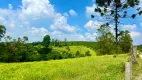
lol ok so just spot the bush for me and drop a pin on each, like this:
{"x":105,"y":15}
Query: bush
{"x":34,"y":57}
{"x":66,"y":55}
{"x":44,"y":50}
{"x":81,"y":55}
{"x":60,"y":45}
{"x":68,"y":48}
{"x":87,"y":53}
{"x":54,"y":55}
{"x":77,"y":54}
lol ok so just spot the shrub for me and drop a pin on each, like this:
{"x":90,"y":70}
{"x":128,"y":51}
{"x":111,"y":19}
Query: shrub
{"x":54,"y":55}
{"x":87,"y":53}
{"x":60,"y":45}
{"x":33,"y":56}
{"x":77,"y":54}
{"x":81,"y":55}
{"x":44,"y":50}
{"x":66,"y":55}
{"x":68,"y":48}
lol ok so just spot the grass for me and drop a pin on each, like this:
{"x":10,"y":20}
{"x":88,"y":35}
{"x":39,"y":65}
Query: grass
{"x":87,"y":68}
{"x":137,"y":68}
{"x":74,"y":49}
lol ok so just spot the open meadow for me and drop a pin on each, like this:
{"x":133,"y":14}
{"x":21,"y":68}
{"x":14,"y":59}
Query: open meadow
{"x":87,"y":68}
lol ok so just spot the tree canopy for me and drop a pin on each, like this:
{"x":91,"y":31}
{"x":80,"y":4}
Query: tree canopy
{"x":46,"y":40}
{"x":113,"y":11}
{"x":2,"y":31}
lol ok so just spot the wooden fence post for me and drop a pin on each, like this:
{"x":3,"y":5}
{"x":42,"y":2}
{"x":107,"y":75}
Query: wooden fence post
{"x":128,"y":71}
{"x":134,"y":54}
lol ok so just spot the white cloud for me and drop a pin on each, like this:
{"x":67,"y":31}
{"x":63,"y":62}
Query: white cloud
{"x":70,"y":37}
{"x":38,"y":31}
{"x":73,"y":13}
{"x":140,"y":24}
{"x":20,"y":21}
{"x":140,"y":5}
{"x":134,"y":34}
{"x":129,"y":27}
{"x":92,"y":25}
{"x":35,"y":9}
{"x":90,"y":10}
{"x":91,"y":37}
{"x":60,"y":23}
{"x":66,"y":14}
{"x":10,"y":6}
{"x":28,"y":13}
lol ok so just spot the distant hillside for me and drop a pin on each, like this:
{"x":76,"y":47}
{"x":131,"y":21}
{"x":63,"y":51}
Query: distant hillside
{"x":74,"y":49}
{"x":92,"y":45}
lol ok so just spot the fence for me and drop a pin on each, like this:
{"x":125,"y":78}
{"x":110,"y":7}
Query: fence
{"x":128,"y":65}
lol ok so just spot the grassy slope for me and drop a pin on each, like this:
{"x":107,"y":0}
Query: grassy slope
{"x":74,"y":49}
{"x":92,"y":45}
{"x":137,"y":68}
{"x":88,"y":68}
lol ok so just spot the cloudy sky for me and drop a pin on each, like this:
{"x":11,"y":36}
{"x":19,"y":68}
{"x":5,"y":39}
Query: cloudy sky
{"x":58,"y":18}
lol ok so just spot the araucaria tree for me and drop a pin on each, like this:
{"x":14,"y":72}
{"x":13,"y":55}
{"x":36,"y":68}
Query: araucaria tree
{"x":2,"y":31}
{"x":115,"y":11}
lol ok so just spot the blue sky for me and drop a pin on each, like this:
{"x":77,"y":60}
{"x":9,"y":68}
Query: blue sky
{"x":58,"y":18}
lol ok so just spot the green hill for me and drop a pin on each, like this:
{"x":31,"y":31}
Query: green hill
{"x":87,"y":68}
{"x":74,"y":49}
{"x":92,"y":45}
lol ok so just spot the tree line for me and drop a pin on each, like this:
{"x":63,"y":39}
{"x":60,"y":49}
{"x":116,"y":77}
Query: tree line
{"x":20,"y":50}
{"x":106,"y":41}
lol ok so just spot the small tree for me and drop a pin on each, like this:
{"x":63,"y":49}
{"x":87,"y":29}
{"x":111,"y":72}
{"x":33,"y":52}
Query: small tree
{"x":46,"y":40}
{"x":53,"y":42}
{"x":125,"y":41}
{"x":2,"y":31}
{"x":77,"y":54}
{"x":105,"y":40}
{"x":57,"y":42}
{"x":68,"y":48}
{"x":87,"y":53}
{"x":65,"y":41}
{"x":8,"y":38}
{"x":25,"y":39}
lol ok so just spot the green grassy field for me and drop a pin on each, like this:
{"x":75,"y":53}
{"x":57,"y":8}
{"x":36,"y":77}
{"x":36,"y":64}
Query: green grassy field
{"x":87,"y":68}
{"x":137,"y":69}
{"x":74,"y":49}
{"x":92,"y":45}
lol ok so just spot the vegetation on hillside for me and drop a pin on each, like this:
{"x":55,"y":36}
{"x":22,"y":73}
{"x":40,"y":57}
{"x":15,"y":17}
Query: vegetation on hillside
{"x":139,"y":47}
{"x":19,"y":50}
{"x":106,"y":41}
